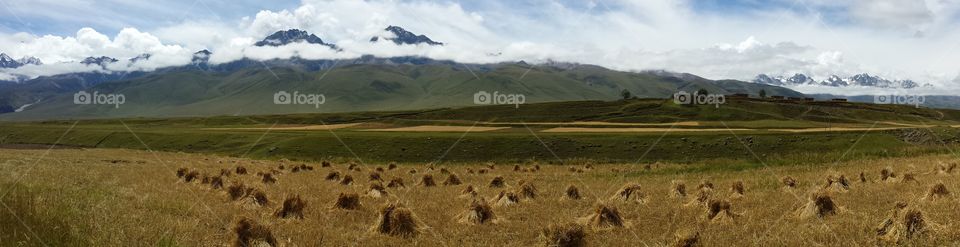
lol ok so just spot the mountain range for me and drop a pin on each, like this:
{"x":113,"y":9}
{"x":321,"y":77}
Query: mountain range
{"x":8,"y":62}
{"x":862,"y":80}
{"x":368,"y":83}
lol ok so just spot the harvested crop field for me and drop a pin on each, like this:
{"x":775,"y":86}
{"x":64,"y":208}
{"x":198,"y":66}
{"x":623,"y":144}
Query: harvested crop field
{"x":107,"y":197}
{"x":440,"y":128}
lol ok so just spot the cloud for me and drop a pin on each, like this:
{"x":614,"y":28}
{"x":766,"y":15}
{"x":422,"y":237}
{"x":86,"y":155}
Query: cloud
{"x":817,"y":37}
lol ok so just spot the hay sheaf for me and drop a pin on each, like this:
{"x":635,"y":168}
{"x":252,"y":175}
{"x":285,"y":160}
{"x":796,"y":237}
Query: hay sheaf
{"x":250,"y":233}
{"x":333,"y":176}
{"x":819,"y":205}
{"x":427,"y":181}
{"x":737,"y":189}
{"x":789,"y":182}
{"x":677,"y":189}
{"x":527,"y":190}
{"x":686,"y":238}
{"x":905,"y":223}
{"x":292,"y":208}
{"x":564,"y":235}
{"x":497,"y":182}
{"x":348,"y":201}
{"x":703,"y":197}
{"x":837,"y":183}
{"x":604,"y":217}
{"x":937,"y":191}
{"x":505,"y":198}
{"x":396,"y":220}
{"x":452,"y":179}
{"x":572,"y":193}
{"x":396,"y":183}
{"x":630,"y":193}
{"x":478,"y":213}
{"x":718,"y":211}
{"x":887,"y":174}
{"x":347,"y":180}
{"x":376,"y":190}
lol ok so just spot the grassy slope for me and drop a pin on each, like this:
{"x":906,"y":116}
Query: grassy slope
{"x":193,"y":135}
{"x":367,"y":87}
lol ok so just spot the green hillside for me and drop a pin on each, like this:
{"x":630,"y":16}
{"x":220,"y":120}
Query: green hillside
{"x":370,"y":87}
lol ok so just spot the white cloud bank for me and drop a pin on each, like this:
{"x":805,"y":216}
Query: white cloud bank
{"x":896,"y":39}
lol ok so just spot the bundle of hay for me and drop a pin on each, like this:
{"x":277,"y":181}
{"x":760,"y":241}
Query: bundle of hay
{"x":945,"y":170}
{"x":253,"y":198}
{"x":904,"y":223}
{"x":686,"y":238}
{"x":348,"y":201}
{"x":887,"y":173}
{"x":427,"y":181}
{"x":444,"y":170}
{"x":572,"y":193}
{"x":604,"y":217}
{"x":469,"y":191}
{"x":527,"y":190}
{"x":630,"y":193}
{"x":819,"y":205}
{"x":376,"y":190}
{"x":241,"y":170}
{"x":333,"y":176}
{"x":380,"y":169}
{"x":737,"y":189}
{"x":375,"y":176}
{"x":677,"y":189}
{"x":190,"y":176}
{"x":250,"y":233}
{"x":305,"y":167}
{"x":452,"y":179}
{"x":482,"y":171}
{"x":469,"y":171}
{"x":413,"y":171}
{"x":704,"y":195}
{"x":347,"y":180}
{"x":506,"y":198}
{"x":718,"y":211}
{"x":268,"y":178}
{"x":536,"y":167}
{"x":225,"y":172}
{"x":909,"y":177}
{"x":292,"y":208}
{"x":295,"y":169}
{"x":280,"y":167}
{"x":705,"y":184}
{"x":216,"y":182}
{"x":937,"y":191}
{"x":396,"y":183}
{"x":352,"y":166}
{"x":497,"y":182}
{"x":205,"y":180}
{"x":837,"y":184}
{"x":491,"y":167}
{"x":789,"y":182}
{"x":392,"y":166}
{"x":478,"y":213}
{"x":516,"y":168}
{"x":325,"y":164}
{"x":863,"y":178}
{"x":564,"y":235}
{"x":236,"y":191}
{"x":181,"y":172}
{"x":396,"y":220}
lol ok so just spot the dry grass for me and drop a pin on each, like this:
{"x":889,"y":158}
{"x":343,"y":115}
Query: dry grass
{"x":142,"y":201}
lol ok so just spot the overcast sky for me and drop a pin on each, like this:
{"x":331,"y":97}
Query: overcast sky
{"x":717,"y":39}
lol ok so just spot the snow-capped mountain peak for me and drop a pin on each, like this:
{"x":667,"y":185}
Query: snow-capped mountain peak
{"x":30,"y":60}
{"x":281,"y":38}
{"x":861,"y":80}
{"x":403,"y":37}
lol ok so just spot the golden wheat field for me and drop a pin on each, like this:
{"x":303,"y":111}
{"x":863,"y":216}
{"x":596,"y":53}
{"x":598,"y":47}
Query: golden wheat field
{"x":104,"y":197}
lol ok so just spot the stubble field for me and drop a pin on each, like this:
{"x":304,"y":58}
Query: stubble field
{"x":115,"y":197}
